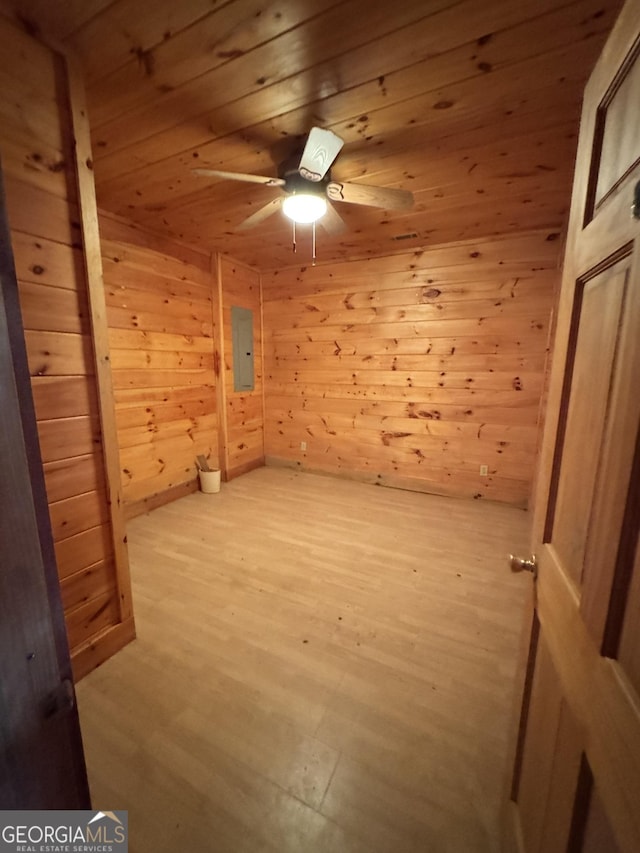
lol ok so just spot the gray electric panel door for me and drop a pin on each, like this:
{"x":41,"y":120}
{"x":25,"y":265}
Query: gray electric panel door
{"x":242,"y":328}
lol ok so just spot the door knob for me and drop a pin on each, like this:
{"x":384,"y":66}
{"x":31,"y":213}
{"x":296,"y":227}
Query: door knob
{"x":522,"y":564}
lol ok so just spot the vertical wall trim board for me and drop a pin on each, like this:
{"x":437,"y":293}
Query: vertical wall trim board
{"x":98,"y":314}
{"x":262,"y":361}
{"x":221,"y":391}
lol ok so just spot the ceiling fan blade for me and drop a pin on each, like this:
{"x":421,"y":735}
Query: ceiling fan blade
{"x":386,"y":197}
{"x":332,"y":222}
{"x":260,"y":215}
{"x":240,"y":176}
{"x":321,"y":149}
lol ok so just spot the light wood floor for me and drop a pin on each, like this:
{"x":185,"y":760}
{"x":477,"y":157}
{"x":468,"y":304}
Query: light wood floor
{"x":321,"y":665}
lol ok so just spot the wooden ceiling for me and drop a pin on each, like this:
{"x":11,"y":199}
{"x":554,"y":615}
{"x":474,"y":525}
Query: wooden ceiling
{"x":473,"y":106}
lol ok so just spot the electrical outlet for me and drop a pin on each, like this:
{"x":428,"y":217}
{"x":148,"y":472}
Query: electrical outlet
{"x":303,"y":445}
{"x":484,"y":470}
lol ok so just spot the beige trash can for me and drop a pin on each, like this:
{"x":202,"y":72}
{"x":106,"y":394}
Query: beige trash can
{"x":209,"y":481}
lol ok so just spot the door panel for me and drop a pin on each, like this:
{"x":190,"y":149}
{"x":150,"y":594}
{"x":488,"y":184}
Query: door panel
{"x":550,"y":763}
{"x":597,"y":315}
{"x":618,"y":124}
{"x":537,"y":761}
{"x":578,"y":784}
{"x":564,"y":782}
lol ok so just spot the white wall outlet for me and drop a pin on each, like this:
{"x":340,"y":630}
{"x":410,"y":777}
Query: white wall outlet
{"x":303,"y":445}
{"x":484,"y":470}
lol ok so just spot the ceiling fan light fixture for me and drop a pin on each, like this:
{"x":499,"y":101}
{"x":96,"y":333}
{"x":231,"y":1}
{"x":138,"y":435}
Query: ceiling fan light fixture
{"x":304,"y":208}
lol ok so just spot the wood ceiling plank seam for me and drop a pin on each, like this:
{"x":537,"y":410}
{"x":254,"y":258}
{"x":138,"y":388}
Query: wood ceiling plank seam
{"x":512,"y":251}
{"x":166,"y":170}
{"x":172,"y":82}
{"x":534,"y":190}
{"x":357,"y":216}
{"x":527,"y":167}
{"x":218,"y":192}
{"x":372,"y":77}
{"x":153,"y":87}
{"x":322,"y":29}
{"x":520,"y":63}
{"x":522,"y":148}
{"x":457,"y":259}
{"x":90,"y":46}
{"x":553,"y":198}
{"x":497,"y":149}
{"x":463,"y":95}
{"x":260,"y":94}
{"x":240,"y":162}
{"x":281,"y":257}
{"x":500,"y":188}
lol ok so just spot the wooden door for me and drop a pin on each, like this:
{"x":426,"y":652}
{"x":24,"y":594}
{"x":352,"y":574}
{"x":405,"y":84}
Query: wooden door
{"x":576,"y":784}
{"x":41,"y":757}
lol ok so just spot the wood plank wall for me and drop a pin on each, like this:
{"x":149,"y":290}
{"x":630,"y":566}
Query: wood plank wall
{"x":244,"y":411}
{"x":37,"y":158}
{"x":161,"y":333}
{"x":413,"y":370}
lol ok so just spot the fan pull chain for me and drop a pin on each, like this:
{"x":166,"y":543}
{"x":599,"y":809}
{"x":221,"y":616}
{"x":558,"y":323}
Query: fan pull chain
{"x":313,"y":238}
{"x":294,"y":236}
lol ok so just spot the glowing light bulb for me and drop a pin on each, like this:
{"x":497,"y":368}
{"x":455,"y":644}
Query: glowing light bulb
{"x":304,"y":207}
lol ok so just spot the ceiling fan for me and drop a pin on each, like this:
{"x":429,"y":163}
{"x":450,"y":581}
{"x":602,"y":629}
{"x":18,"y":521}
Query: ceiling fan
{"x":308,"y":184}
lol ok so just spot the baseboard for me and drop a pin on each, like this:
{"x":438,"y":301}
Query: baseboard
{"x":409,"y":484}
{"x":100,"y":648}
{"x":136,"y":508}
{"x":232,"y":473}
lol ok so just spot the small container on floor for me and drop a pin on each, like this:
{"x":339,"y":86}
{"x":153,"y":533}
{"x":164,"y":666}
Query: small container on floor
{"x":209,"y":481}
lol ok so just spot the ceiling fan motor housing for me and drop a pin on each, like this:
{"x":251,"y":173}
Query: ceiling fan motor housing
{"x":296,"y":183}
